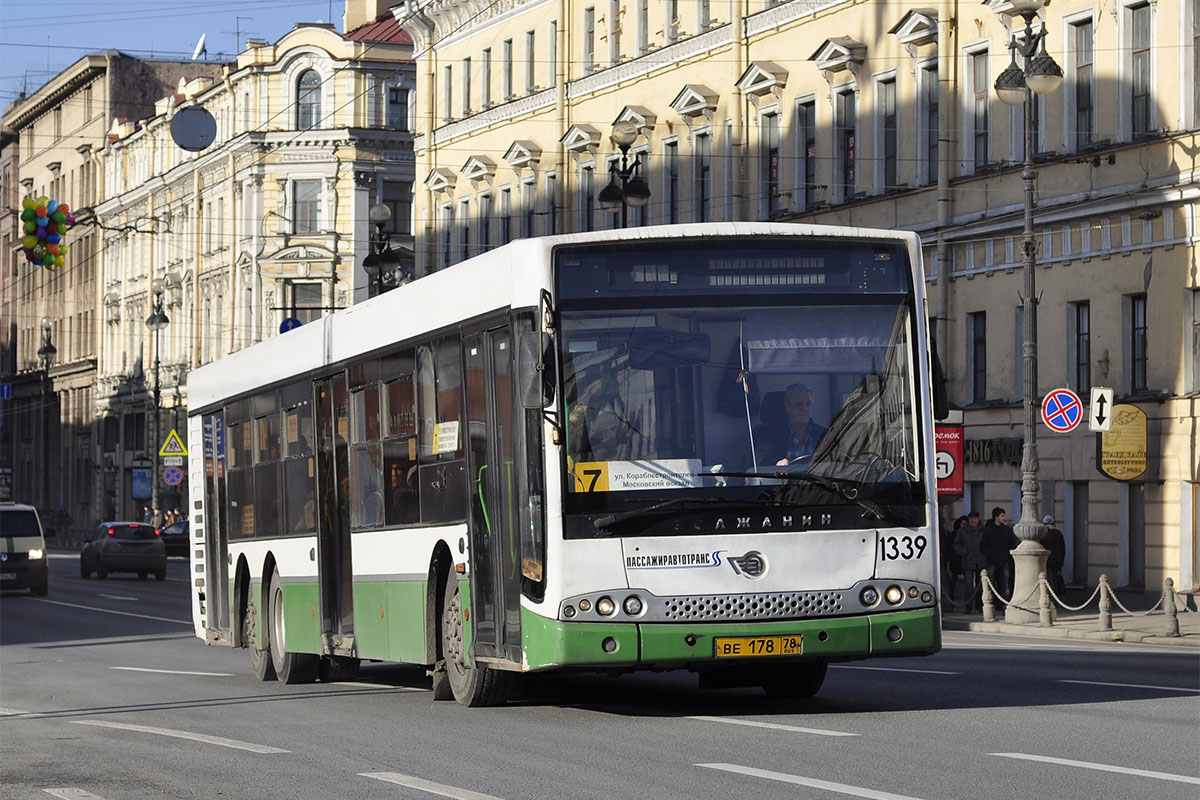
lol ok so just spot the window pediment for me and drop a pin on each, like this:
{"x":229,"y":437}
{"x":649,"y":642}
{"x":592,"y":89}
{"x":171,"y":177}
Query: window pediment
{"x":478,"y":168}
{"x":763,"y":77}
{"x":916,"y":28}
{"x":580,"y":139}
{"x":641,"y":116}
{"x":440,"y":180}
{"x":696,"y":100}
{"x":523,"y":153}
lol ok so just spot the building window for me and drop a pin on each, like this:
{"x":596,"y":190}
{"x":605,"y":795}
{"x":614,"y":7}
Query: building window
{"x":1081,"y":347}
{"x":464,"y":230}
{"x":768,"y":159}
{"x":702,"y":153}
{"x":671,"y":180}
{"x":1134,"y":536}
{"x":551,"y":201}
{"x":1082,"y":75}
{"x":529,"y":208}
{"x":484,"y":237}
{"x":1137,"y":343}
{"x":466,"y":87}
{"x":977,"y":357}
{"x":589,"y":40}
{"x":306,"y":206}
{"x":981,"y":86}
{"x":530,"y":62}
{"x":671,"y":24}
{"x":447,"y":252}
{"x":1140,"y":72}
{"x":306,"y":302}
{"x":641,"y":214}
{"x":844,"y":128}
{"x":485,"y":78}
{"x":587,"y":196}
{"x":506,"y":81}
{"x":1195,"y":298}
{"x":505,"y":218}
{"x":448,"y":93}
{"x":614,"y":31}
{"x":552,"y":59}
{"x":887,"y":129}
{"x":806,"y":139}
{"x":397,"y":108}
{"x":308,"y":100}
{"x":643,"y":12}
{"x":928,"y":145}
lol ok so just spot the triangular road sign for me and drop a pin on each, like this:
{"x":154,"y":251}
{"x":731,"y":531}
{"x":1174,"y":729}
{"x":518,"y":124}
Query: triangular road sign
{"x":172,"y":446}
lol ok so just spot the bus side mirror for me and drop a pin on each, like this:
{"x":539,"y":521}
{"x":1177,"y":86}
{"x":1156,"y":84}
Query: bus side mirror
{"x":535,"y":370}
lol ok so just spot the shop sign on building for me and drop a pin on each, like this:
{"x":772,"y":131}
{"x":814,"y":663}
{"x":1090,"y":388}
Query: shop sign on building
{"x":1121,"y":451}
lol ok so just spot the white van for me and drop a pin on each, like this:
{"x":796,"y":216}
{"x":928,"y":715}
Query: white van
{"x":23,"y":557}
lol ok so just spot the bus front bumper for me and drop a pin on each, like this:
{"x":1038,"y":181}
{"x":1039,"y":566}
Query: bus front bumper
{"x":553,"y":643}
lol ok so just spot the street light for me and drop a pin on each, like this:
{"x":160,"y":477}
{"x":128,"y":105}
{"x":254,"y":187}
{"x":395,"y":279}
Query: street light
{"x":1017,"y":85}
{"x":156,"y":322}
{"x":383,"y":265}
{"x":46,"y":354}
{"x":633,"y":191}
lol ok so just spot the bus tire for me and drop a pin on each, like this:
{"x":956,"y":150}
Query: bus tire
{"x":471,"y":686}
{"x":260,"y":659}
{"x":333,"y":669}
{"x":289,"y":667}
{"x":796,"y":680}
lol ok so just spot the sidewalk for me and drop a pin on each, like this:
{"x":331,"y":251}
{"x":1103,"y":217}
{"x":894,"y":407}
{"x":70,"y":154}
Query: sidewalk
{"x":1134,"y":629}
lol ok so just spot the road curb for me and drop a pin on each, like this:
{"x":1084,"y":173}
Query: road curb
{"x":1062,"y":632}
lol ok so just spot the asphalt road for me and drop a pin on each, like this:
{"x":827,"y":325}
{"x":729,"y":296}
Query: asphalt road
{"x":104,"y":693}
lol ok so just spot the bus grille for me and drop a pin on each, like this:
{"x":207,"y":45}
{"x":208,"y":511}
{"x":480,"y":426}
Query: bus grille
{"x":726,"y":607}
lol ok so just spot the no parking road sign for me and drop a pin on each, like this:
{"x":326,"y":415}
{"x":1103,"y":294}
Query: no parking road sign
{"x":1061,"y":410}
{"x":172,"y":476}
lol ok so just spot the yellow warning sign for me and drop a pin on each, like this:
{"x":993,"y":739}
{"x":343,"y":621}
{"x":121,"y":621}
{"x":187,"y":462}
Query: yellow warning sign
{"x":172,"y":446}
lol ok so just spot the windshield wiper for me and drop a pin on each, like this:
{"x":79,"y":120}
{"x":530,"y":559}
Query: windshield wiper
{"x":602,"y":523}
{"x":850,"y":493}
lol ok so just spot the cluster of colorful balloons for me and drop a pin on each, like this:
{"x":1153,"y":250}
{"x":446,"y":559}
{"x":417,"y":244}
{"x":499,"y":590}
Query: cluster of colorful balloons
{"x":45,"y":222}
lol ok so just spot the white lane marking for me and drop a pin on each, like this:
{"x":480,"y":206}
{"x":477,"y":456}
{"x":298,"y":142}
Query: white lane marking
{"x":12,"y":712}
{"x":1066,"y":762}
{"x":427,"y":786}
{"x":897,"y":669}
{"x":1134,"y":686}
{"x":773,"y":726}
{"x":71,"y":793}
{"x":195,"y":737}
{"x":117,"y":597}
{"x":118,"y":613}
{"x":176,"y":672}
{"x":362,"y":685}
{"x":813,"y":783}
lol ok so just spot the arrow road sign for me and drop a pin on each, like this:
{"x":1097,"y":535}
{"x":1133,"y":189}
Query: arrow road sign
{"x":1100,"y":418}
{"x":1061,"y":411}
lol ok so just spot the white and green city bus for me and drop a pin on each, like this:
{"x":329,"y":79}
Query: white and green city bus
{"x":580,"y":452}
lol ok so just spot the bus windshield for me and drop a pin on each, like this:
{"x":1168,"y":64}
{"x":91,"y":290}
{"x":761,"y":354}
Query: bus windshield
{"x":680,"y":402}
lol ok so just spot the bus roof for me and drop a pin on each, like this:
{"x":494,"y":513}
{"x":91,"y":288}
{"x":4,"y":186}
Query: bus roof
{"x":509,"y":276}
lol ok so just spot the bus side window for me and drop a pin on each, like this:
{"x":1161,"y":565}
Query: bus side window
{"x":401,"y":505}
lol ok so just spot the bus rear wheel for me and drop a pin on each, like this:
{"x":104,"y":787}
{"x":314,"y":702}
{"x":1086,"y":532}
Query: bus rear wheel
{"x":289,"y":667}
{"x":471,"y":686}
{"x":796,"y":680}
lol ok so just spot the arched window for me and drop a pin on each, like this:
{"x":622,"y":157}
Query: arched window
{"x":308,"y":100}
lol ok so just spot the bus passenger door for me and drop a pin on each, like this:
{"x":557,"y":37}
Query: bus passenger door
{"x":216,"y":536}
{"x":335,"y":573}
{"x":495,"y":554}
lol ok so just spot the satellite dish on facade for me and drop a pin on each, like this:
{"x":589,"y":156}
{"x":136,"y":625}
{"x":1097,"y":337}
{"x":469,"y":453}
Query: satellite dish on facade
{"x":200,"y":50}
{"x":193,"y":128}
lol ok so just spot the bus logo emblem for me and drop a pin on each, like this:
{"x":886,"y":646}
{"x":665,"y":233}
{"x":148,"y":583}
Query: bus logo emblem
{"x":753,"y":565}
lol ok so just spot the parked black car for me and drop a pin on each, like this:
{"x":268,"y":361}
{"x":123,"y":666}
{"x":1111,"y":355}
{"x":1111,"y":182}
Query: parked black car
{"x":124,"y":547}
{"x":176,"y":537}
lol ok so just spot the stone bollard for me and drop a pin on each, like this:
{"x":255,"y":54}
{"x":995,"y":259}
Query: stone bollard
{"x":1045,"y":619}
{"x":989,"y":602}
{"x":1105,"y":607}
{"x":1172,"y":611}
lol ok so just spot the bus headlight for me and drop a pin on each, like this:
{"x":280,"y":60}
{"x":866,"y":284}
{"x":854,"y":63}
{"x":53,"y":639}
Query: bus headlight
{"x":893,"y":595}
{"x":633,"y":605}
{"x":605,"y":607}
{"x":869,"y":596}
{"x":35,"y":553}
{"x":568,"y":611}
{"x":585,"y":605}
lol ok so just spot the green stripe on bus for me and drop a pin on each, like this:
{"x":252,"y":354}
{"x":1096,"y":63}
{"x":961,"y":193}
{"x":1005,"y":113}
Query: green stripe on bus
{"x":8,"y":544}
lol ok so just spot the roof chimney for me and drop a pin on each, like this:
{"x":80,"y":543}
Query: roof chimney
{"x":363,"y":12}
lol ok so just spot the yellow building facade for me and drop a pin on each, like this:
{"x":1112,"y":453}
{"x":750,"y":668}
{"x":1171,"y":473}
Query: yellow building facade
{"x":879,"y":115}
{"x":263,"y":228}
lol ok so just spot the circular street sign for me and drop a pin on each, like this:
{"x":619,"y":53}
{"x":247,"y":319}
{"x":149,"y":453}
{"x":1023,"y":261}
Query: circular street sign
{"x":1061,"y":410}
{"x":288,"y":324}
{"x":944,"y":463}
{"x":172,"y":476}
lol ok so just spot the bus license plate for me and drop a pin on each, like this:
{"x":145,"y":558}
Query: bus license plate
{"x":755,"y":646}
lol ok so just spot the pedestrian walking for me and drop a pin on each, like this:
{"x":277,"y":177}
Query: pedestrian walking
{"x":968,"y":544}
{"x":951,"y":560}
{"x":998,"y":544}
{"x":1054,"y":542}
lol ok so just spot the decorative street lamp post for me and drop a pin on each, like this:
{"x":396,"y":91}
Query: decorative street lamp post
{"x":633,"y":191}
{"x":46,"y":354}
{"x":156,"y":322}
{"x":1016,"y":85}
{"x":383,"y":264}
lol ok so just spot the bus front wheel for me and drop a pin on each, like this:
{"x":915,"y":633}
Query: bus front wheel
{"x":289,"y":667}
{"x":796,"y":680}
{"x":471,"y":686}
